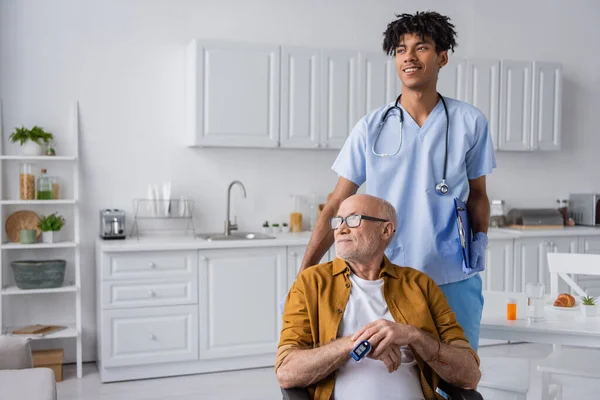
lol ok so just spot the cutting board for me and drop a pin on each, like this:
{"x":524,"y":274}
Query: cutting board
{"x":535,"y":226}
{"x":38,"y":330}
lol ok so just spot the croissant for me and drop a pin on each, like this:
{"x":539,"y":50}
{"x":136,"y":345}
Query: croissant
{"x":564,"y":300}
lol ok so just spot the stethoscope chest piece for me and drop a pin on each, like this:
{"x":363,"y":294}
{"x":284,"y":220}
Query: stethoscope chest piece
{"x":442,"y":188}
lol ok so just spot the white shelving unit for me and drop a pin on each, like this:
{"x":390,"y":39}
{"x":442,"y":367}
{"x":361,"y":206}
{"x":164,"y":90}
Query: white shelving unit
{"x":74,"y":289}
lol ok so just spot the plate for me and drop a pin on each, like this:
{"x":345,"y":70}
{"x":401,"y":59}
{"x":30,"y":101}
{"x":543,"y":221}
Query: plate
{"x":574,"y":308}
{"x":20,"y":220}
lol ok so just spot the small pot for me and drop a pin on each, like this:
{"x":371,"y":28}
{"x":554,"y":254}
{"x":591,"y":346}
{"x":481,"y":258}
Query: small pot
{"x":31,"y":148}
{"x":49,"y":236}
{"x":589,"y":311}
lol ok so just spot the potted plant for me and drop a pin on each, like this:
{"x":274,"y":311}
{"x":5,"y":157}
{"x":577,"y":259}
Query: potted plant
{"x":50,"y":224}
{"x":588,"y":306}
{"x":31,"y":140}
{"x":276,"y":228}
{"x":285,"y":227}
{"x":266,"y":228}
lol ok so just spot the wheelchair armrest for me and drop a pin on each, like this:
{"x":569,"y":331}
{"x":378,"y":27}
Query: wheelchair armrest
{"x":456,"y":393}
{"x":295,"y":394}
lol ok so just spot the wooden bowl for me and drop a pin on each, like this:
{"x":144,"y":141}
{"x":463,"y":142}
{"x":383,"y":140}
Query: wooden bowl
{"x":20,"y":220}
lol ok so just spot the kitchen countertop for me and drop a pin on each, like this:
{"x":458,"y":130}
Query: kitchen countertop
{"x":174,"y":242}
{"x":566,"y":231}
{"x":159,"y":243}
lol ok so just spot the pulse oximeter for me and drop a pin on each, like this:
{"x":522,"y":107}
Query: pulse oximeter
{"x":361,"y":350}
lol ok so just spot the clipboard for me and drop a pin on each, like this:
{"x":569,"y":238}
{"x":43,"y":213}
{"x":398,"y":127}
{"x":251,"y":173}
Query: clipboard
{"x":464,"y":231}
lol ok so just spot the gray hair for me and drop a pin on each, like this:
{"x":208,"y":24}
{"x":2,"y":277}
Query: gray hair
{"x":387,"y":211}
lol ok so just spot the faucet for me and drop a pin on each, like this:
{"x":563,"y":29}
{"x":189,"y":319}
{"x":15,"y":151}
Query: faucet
{"x":228,"y":225}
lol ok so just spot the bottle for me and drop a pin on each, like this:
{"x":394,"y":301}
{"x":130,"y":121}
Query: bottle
{"x":497,"y":214}
{"x":296,"y":214}
{"x":511,"y":309}
{"x":26,"y":182}
{"x":44,"y":187}
{"x":55,"y":188}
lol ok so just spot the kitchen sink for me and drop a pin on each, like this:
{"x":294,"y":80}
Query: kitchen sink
{"x":234,"y":236}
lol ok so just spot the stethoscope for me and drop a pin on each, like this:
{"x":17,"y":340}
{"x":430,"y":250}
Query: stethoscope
{"x":442,"y":187}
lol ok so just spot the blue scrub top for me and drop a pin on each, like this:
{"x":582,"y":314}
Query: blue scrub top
{"x":426,"y":234}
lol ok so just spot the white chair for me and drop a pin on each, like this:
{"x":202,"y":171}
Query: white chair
{"x":570,"y":366}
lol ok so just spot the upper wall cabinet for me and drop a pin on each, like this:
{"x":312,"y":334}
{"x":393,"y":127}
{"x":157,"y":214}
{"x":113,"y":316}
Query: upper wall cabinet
{"x":300,"y":97}
{"x":260,"y":95}
{"x":452,"y":79}
{"x":339,"y":96}
{"x":547,"y":104}
{"x":482,"y":91}
{"x":515,"y":105}
{"x":378,"y":81}
{"x":232,"y":94}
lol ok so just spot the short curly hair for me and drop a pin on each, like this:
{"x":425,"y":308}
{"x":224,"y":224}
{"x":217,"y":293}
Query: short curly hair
{"x":426,"y":24}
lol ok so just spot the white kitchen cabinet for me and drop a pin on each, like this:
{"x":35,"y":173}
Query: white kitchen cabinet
{"x":547,"y":106}
{"x":378,"y":80}
{"x":498,"y":274}
{"x":232,"y":94}
{"x":482,"y":91}
{"x":452,"y":79}
{"x":339,"y":96}
{"x":300,"y":97}
{"x":295,"y":255}
{"x":141,"y":336}
{"x":240,"y":291}
{"x":589,"y":244}
{"x":531,"y":261}
{"x":515,"y":106}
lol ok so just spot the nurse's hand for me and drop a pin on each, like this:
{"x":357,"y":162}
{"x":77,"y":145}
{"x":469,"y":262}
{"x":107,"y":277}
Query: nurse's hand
{"x":478,"y":245}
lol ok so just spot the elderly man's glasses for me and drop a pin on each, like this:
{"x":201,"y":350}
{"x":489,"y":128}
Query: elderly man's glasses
{"x":352,"y":221}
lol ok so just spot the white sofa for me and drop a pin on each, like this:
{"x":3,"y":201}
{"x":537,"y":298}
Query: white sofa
{"x":18,"y":379}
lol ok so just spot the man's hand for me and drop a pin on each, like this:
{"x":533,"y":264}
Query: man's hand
{"x":391,"y":357}
{"x":383,"y":334}
{"x":478,"y":245}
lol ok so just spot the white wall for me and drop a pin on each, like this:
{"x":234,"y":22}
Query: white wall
{"x":124,"y":62}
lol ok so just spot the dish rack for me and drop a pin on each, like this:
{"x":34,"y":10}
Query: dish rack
{"x":162,"y":215}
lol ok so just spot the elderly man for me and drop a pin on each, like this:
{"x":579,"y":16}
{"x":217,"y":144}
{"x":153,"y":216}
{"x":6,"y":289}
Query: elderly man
{"x":360,"y":296}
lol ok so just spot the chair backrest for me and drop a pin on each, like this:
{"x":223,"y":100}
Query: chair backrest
{"x":562,"y":264}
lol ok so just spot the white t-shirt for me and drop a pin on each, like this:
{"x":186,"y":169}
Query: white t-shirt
{"x":370,"y":379}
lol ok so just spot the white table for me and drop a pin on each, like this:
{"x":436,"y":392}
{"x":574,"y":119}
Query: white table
{"x":559,"y":327}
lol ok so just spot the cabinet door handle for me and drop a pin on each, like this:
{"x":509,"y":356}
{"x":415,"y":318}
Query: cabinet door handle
{"x":151,"y":265}
{"x":151,"y":336}
{"x":151,"y":293}
{"x":294,"y":254}
{"x":203,"y":258}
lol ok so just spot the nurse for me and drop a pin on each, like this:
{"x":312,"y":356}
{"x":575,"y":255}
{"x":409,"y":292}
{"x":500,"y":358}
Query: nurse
{"x":429,"y":150}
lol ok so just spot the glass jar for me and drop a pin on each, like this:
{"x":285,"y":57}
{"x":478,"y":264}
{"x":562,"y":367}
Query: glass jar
{"x":55,"y":188}
{"x":26,"y":182}
{"x":535,"y":301}
{"x":44,"y":187}
{"x":497,"y":214}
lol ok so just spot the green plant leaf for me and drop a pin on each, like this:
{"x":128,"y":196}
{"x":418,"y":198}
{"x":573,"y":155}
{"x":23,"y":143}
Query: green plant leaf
{"x":35,"y":134}
{"x":52,"y":222}
{"x":588,"y":300}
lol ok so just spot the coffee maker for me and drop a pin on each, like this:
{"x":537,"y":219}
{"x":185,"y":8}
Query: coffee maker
{"x":112,"y":224}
